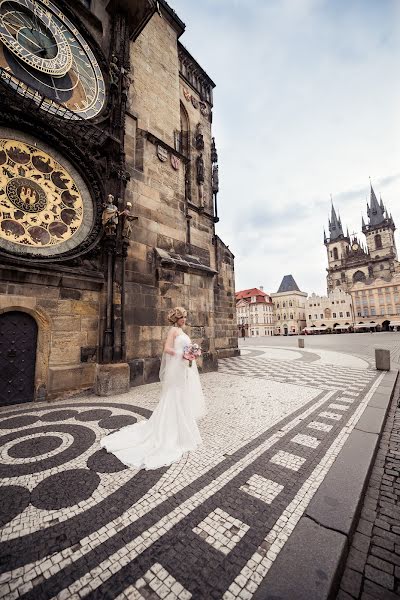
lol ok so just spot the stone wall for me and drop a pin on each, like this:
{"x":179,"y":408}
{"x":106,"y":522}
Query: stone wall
{"x":66,"y":308}
{"x":226,"y":335}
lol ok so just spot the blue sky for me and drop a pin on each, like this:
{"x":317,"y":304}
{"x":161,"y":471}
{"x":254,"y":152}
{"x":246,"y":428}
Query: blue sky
{"x":307,"y":104}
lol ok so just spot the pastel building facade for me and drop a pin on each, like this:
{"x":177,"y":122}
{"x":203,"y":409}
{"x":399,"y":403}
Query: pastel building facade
{"x":254,"y":310}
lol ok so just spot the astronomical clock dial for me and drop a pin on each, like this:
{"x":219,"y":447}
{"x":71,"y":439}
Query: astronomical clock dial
{"x":41,"y":47}
{"x":355,"y":247}
{"x":45,"y":209}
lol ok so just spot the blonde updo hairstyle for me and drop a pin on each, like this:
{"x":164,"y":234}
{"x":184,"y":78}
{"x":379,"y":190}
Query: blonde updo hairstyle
{"x":176,"y":313}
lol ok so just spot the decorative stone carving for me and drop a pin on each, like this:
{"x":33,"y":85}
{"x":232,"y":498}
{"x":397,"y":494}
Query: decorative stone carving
{"x":214,"y":155}
{"x":175,"y":162}
{"x":199,"y":137}
{"x":114,"y":71}
{"x":110,"y":216}
{"x":203,"y":109}
{"x":162,"y":153}
{"x":215,"y":179}
{"x":126,"y":83}
{"x":200,"y":169}
{"x":127,"y":223}
{"x":194,"y":102}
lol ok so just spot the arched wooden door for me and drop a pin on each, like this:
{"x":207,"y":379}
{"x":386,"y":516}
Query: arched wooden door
{"x":18,"y":341}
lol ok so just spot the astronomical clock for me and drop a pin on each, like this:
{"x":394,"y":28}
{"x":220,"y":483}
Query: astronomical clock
{"x":42,"y":48}
{"x":45,"y":207}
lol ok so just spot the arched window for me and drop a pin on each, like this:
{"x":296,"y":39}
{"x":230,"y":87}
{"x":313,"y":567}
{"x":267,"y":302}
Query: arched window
{"x":359,"y":276}
{"x":283,"y":304}
{"x":284,"y":317}
{"x":335,"y":254}
{"x":183,"y":137}
{"x":378,"y":242}
{"x":291,"y":316}
{"x":327,"y":313}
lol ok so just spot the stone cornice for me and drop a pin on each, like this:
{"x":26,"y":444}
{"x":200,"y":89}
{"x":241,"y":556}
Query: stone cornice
{"x":195,"y":75}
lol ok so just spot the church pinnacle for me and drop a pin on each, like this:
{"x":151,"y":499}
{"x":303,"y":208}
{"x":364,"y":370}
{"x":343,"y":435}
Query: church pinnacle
{"x":335,"y":225}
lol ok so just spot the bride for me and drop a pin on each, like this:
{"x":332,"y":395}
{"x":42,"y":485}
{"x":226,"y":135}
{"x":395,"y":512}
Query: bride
{"x":172,"y":428}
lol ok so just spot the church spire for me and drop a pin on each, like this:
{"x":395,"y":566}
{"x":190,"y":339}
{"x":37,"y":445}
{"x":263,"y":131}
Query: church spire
{"x":375,"y":211}
{"x":335,"y":225}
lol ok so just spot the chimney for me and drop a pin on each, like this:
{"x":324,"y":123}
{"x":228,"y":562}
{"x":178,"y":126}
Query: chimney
{"x":261,"y":288}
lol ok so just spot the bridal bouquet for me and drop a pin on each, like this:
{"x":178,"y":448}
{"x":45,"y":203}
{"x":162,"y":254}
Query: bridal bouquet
{"x":191,"y":352}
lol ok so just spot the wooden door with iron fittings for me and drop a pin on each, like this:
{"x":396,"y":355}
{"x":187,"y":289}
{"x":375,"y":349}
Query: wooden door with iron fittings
{"x":18,"y":342}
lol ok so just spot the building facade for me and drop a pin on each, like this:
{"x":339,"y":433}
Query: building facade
{"x":328,"y":314}
{"x":369,"y":271}
{"x":254,"y":311}
{"x":289,"y":308}
{"x":108,"y":199}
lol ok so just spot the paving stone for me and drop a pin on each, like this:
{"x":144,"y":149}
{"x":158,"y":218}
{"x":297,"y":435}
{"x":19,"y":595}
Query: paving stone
{"x":221,"y":516}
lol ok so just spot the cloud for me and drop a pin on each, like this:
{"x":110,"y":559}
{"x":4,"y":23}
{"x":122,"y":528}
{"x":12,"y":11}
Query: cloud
{"x":306,"y":105}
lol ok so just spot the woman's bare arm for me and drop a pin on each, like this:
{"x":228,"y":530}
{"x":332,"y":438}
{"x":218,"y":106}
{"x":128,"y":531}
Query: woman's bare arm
{"x":169,"y":342}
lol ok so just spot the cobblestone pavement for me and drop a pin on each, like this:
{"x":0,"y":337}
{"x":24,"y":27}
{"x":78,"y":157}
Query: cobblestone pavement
{"x":77,"y":523}
{"x":373,"y":566}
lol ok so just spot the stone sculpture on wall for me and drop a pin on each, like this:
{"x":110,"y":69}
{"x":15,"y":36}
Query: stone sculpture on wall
{"x":127,"y":222}
{"x":200,"y":169}
{"x":199,"y":137}
{"x":110,"y":216}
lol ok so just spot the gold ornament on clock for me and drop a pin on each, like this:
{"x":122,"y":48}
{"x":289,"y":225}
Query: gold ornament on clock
{"x":40,"y":204}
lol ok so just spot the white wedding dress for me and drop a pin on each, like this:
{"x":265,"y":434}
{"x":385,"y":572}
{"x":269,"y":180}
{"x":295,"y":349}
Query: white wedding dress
{"x":172,"y":428}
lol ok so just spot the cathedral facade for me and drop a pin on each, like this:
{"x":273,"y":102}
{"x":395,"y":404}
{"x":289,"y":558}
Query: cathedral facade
{"x":108,"y":198}
{"x":368,"y":270}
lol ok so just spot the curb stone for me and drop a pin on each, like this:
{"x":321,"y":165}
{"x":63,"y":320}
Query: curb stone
{"x":310,"y":565}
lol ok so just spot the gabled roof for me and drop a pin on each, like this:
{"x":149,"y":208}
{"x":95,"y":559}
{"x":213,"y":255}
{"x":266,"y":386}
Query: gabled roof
{"x":249,"y":293}
{"x":288,"y":284}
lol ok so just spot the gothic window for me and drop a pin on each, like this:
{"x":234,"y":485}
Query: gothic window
{"x":335,"y":254}
{"x":183,"y":137}
{"x":359,"y":276}
{"x":283,"y":304}
{"x":284,"y":317}
{"x":378,"y":242}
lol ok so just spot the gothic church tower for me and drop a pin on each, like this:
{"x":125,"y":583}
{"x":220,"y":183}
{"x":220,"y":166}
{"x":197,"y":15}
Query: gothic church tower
{"x":337,"y":247}
{"x":379,"y":232}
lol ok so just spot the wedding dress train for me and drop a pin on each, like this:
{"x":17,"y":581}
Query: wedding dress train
{"x":172,"y":428}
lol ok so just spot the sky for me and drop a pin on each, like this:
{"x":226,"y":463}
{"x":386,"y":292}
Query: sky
{"x":306,"y":105}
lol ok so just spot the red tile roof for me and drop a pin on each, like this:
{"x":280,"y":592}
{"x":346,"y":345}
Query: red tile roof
{"x":248,"y":294}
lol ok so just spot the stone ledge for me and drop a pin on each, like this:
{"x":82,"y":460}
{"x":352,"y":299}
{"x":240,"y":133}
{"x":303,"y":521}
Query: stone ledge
{"x":307,"y":566}
{"x":112,"y":378}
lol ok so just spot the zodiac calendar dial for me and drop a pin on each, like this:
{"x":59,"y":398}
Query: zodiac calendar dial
{"x":41,"y":47}
{"x":42,"y":210}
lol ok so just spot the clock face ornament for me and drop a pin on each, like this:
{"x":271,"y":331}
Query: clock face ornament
{"x":42,"y":210}
{"x":42,"y":48}
{"x":355,"y":247}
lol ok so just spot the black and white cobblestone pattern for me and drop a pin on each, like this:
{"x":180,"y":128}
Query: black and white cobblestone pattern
{"x":77,"y":523}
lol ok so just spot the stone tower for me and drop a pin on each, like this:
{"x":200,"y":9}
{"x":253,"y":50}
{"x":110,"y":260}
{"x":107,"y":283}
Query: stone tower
{"x":337,"y":246}
{"x":379,"y":232}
